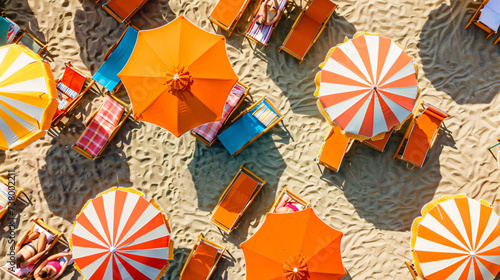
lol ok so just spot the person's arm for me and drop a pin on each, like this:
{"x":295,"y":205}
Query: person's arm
{"x":39,"y":268}
{"x":58,"y":256}
{"x":64,"y":266}
{"x":276,"y":4}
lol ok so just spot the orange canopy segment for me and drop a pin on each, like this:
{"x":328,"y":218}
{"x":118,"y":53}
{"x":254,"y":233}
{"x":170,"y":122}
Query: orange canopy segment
{"x":294,"y":246}
{"x":181,"y":82}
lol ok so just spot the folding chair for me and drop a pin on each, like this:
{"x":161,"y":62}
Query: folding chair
{"x":122,"y":10}
{"x":227,"y":13}
{"x":485,"y":18}
{"x":9,"y":30}
{"x":8,"y":195}
{"x":307,"y":28}
{"x":379,"y":145}
{"x":335,"y":146}
{"x":32,"y":43}
{"x":249,"y":125}
{"x":71,"y":87}
{"x":298,"y":202}
{"x":207,"y":133}
{"x":53,"y":237}
{"x":236,"y":199}
{"x":421,"y":135}
{"x":261,"y":33}
{"x":102,"y":127}
{"x":202,"y":260}
{"x":115,"y":59}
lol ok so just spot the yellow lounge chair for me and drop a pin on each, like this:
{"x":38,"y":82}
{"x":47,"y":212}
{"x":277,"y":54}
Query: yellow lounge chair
{"x":227,"y":13}
{"x":477,"y":22}
{"x":236,"y":199}
{"x":300,"y":203}
{"x":202,"y":260}
{"x":413,"y":271}
{"x":335,"y":146}
{"x":9,"y":195}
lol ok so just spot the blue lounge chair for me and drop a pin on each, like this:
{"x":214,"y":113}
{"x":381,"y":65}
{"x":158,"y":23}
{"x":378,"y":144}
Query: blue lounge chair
{"x":250,"y":125}
{"x":115,"y":59}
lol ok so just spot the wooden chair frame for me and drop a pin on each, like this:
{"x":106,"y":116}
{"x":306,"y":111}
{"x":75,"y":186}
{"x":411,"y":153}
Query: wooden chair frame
{"x":323,"y":25}
{"x":274,"y":24}
{"x":209,"y":144}
{"x":293,"y":196}
{"x":265,"y":130}
{"x":261,"y":183}
{"x":475,"y":19}
{"x":71,"y":106}
{"x":348,"y":147}
{"x":126,"y":113}
{"x":421,"y":107}
{"x":112,"y":13}
{"x":198,"y":241}
{"x":497,"y":40}
{"x":25,"y":32}
{"x":231,"y":27}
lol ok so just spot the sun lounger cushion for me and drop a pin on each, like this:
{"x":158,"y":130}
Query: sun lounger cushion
{"x":262,"y":32}
{"x":334,"y":148}
{"x":235,"y":200}
{"x":201,"y":262}
{"x":107,"y":75}
{"x":31,"y":44}
{"x":245,"y":129}
{"x":124,"y":8}
{"x":227,"y":11}
{"x":490,"y":18}
{"x":209,"y":130}
{"x":100,"y":128}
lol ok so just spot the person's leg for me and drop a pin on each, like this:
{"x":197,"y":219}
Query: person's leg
{"x":42,"y":242}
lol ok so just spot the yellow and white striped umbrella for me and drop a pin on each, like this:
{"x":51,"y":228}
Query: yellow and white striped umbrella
{"x":27,"y":97}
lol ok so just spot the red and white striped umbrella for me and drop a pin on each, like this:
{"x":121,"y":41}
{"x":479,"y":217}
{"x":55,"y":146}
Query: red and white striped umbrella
{"x":368,"y":85}
{"x":458,"y":238}
{"x":120,"y":235}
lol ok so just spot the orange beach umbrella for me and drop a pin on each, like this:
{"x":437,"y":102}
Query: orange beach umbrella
{"x":178,"y":76}
{"x":294,"y":246}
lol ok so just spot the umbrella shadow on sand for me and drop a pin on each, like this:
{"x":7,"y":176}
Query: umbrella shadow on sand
{"x":464,"y":65}
{"x":384,"y":191}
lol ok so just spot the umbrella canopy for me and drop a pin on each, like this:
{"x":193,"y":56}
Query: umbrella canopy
{"x":367,"y":86}
{"x":120,"y":235}
{"x":294,"y":246}
{"x":179,"y":83}
{"x":457,"y":238}
{"x":27,"y":97}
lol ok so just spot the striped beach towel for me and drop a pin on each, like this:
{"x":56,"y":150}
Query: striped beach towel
{"x":265,"y":115}
{"x":261,"y":33}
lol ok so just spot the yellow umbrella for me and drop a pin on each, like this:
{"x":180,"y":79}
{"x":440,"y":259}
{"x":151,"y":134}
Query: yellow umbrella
{"x":27,"y":97}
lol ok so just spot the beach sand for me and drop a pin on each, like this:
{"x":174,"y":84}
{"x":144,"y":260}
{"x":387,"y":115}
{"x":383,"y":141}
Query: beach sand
{"x":373,"y":199}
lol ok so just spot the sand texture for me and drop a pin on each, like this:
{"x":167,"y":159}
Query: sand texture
{"x":373,"y":199}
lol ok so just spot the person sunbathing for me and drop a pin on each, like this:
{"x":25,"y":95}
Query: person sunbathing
{"x":30,"y":248}
{"x":286,"y":206}
{"x":53,"y":266}
{"x":268,"y":12}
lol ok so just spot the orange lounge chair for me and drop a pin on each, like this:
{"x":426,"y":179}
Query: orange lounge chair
{"x":227,"y":13}
{"x":102,"y":127}
{"x":477,"y":21}
{"x":202,"y":260}
{"x":421,"y":134}
{"x":8,"y":195}
{"x":379,"y":145}
{"x":71,"y":87}
{"x":307,"y":28}
{"x":53,"y":237}
{"x":236,"y":199}
{"x":123,"y":10}
{"x":261,"y":33}
{"x":298,"y":202}
{"x":334,"y":147}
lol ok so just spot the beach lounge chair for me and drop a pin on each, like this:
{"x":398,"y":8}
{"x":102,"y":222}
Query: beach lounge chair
{"x":250,"y":125}
{"x":421,"y":135}
{"x":123,"y":10}
{"x":52,"y":237}
{"x":8,"y":30}
{"x":71,"y":87}
{"x":202,"y":260}
{"x":485,"y":18}
{"x":307,"y":28}
{"x":102,"y":127}
{"x":8,"y":196}
{"x":32,"y":43}
{"x":207,"y":133}
{"x":227,"y":13}
{"x":334,"y":147}
{"x":261,"y":33}
{"x":236,"y":199}
{"x":115,"y":59}
{"x":379,"y":145}
{"x":413,"y":271}
{"x":298,"y":202}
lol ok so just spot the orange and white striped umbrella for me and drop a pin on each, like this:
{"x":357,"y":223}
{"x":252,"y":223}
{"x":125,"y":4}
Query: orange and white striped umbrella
{"x":457,"y":238}
{"x":121,"y":235}
{"x":27,"y":97}
{"x":367,"y":85}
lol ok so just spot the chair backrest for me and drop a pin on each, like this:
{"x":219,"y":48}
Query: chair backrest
{"x":227,"y":12}
{"x":335,"y":146}
{"x":29,"y":41}
{"x":124,"y":9}
{"x":319,"y":10}
{"x":299,"y":202}
{"x":202,"y":260}
{"x":71,"y":82}
{"x":379,"y":145}
{"x":107,"y":75}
